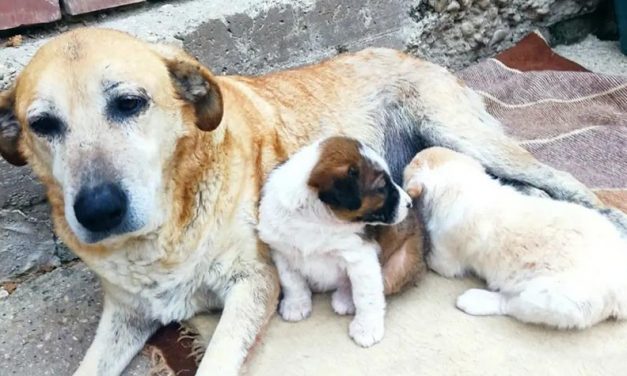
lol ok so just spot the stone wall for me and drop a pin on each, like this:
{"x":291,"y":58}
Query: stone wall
{"x":256,"y":38}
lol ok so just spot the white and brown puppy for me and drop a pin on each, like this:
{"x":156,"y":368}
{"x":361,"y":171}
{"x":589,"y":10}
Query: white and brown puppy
{"x":313,"y":214}
{"x":153,"y":168}
{"x":545,"y":262}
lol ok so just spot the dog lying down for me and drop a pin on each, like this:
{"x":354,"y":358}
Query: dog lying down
{"x":316,"y":213}
{"x":544,"y":261}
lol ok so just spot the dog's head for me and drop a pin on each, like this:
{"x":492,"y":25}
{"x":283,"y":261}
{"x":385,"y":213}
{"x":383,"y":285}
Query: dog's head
{"x":355,"y":183}
{"x":97,"y":114}
{"x":417,"y":172}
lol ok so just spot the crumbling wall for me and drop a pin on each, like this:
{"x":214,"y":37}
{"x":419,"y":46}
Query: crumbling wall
{"x":458,"y":32}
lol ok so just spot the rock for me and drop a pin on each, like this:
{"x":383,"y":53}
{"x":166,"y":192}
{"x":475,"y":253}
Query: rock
{"x":439,"y":5}
{"x":498,"y":36}
{"x":483,"y":4}
{"x":467,"y":28}
{"x":453,"y":7}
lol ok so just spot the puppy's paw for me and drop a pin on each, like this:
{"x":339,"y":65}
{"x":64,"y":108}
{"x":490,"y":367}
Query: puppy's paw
{"x":295,"y":309}
{"x":366,"y":331}
{"x":480,"y":302}
{"x":342,"y":302}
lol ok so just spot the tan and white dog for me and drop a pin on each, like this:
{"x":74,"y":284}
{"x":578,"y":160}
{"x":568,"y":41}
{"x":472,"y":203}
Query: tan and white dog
{"x":153,"y":168}
{"x":544,"y":261}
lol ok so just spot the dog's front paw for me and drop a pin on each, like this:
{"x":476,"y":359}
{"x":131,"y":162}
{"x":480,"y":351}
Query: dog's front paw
{"x":342,"y":302}
{"x":366,"y":331}
{"x":295,"y":309}
{"x":480,"y":302}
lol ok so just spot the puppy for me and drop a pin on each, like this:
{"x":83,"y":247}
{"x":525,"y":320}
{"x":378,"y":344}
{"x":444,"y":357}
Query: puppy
{"x":545,"y":262}
{"x":313,"y":214}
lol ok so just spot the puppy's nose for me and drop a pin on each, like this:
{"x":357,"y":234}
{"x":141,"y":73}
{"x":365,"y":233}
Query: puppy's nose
{"x":409,"y":205}
{"x":100,"y":208}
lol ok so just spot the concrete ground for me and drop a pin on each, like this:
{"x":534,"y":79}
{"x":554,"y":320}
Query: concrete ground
{"x":47,"y":323}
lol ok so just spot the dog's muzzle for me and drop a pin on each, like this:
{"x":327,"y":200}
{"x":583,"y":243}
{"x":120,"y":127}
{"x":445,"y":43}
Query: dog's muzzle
{"x":101,"y":208}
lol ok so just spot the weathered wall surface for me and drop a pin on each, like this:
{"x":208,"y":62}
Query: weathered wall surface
{"x":449,"y":32}
{"x":251,"y":37}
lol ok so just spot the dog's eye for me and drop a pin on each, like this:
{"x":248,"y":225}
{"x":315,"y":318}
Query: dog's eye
{"x":127,"y":105}
{"x":47,"y":126}
{"x":353,"y":171}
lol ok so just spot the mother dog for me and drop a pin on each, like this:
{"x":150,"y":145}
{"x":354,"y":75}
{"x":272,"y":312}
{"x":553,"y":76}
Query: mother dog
{"x":153,"y":168}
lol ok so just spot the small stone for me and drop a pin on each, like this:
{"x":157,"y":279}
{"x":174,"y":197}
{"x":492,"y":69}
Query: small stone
{"x":478,"y":21}
{"x":438,"y":5}
{"x":453,"y":6}
{"x":478,"y":37}
{"x":498,"y":36}
{"x":467,"y":28}
{"x":484,"y":4}
{"x":3,"y":293}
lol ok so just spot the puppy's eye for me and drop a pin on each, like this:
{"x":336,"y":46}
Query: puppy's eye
{"x":47,"y":126}
{"x":353,"y":171}
{"x":127,"y":105}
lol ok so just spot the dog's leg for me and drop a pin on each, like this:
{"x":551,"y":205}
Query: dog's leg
{"x":554,"y":304}
{"x":441,"y":261}
{"x":120,"y":335}
{"x":405,"y":266}
{"x":249,"y":304}
{"x":296,"y":303}
{"x":342,"y":298}
{"x":364,"y":272}
{"x":480,"y":302}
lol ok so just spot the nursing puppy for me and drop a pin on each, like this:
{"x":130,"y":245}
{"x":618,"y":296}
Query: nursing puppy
{"x":153,"y":168}
{"x":544,"y":261}
{"x":313,"y":214}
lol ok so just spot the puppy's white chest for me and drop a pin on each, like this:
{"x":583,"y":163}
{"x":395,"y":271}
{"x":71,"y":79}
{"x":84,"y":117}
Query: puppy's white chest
{"x":323,"y":271}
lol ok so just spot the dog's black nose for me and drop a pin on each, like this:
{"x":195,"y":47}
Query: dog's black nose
{"x":409,"y":205}
{"x":101,"y":208}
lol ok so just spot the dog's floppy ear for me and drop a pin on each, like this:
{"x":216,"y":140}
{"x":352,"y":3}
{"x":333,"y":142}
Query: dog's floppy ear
{"x":9,"y":130}
{"x":415,"y":190}
{"x":195,"y":84}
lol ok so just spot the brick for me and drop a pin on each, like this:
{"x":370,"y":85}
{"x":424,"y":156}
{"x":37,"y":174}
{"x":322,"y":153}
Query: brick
{"x":75,"y":7}
{"x":14,"y":13}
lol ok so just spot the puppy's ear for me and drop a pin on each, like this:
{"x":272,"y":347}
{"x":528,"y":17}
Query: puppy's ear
{"x":414,"y":190}
{"x":195,"y":84}
{"x":9,"y":130}
{"x":338,"y":188}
